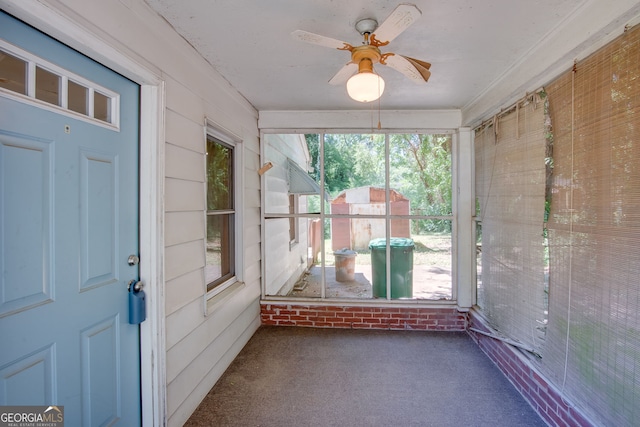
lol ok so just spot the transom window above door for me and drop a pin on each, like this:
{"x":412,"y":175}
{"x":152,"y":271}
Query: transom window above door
{"x":28,"y":78}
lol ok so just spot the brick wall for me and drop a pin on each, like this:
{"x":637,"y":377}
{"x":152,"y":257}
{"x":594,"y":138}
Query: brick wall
{"x":541,"y":395}
{"x":363,"y":317}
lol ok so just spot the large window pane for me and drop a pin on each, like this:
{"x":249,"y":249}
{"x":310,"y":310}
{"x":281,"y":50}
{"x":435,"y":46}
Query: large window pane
{"x":219,"y":249}
{"x":432,"y":259}
{"x":420,"y":170}
{"x":354,"y":172}
{"x":361,"y":209}
{"x":219,"y":176}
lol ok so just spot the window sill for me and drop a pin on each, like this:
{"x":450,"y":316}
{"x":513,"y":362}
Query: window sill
{"x":215,"y":298}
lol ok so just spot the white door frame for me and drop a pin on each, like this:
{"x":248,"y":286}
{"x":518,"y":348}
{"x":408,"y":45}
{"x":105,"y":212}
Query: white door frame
{"x":152,"y":99}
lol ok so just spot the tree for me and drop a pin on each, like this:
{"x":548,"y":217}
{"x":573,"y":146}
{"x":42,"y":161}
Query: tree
{"x":350,"y":160}
{"x":420,"y":169}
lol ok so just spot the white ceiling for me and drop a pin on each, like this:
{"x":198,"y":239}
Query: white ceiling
{"x":470,"y":44}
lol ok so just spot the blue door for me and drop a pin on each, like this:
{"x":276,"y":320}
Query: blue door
{"x":68,"y":224}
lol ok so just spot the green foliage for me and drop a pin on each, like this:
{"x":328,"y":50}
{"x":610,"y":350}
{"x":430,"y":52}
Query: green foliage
{"x":219,"y":184}
{"x":219,"y":176}
{"x":350,"y":160}
{"x":420,"y":169}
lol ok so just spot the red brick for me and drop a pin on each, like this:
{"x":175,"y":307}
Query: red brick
{"x":304,"y":323}
{"x":308,"y":313}
{"x":341,"y":324}
{"x":381,"y":315}
{"x":556,"y":397}
{"x":579,"y":419}
{"x":540,"y":401}
{"x":398,"y":316}
{"x":551,"y":404}
{"x":329,"y":314}
{"x":554,"y":418}
{"x":285,"y":323}
{"x":360,"y":325}
{"x":323,"y":324}
{"x":380,"y":326}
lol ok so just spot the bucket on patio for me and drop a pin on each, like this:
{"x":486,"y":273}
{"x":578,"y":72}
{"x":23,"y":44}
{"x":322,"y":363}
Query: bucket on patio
{"x":345,"y":262}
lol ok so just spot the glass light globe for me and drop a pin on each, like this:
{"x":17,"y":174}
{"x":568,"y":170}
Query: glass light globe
{"x":365,"y":87}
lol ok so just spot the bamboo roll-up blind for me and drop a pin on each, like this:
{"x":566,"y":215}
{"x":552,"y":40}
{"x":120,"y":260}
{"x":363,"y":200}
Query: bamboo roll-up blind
{"x":510,"y":187}
{"x":592,"y":351}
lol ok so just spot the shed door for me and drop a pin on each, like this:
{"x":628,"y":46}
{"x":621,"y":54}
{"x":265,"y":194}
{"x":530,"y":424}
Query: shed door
{"x":365,"y":230}
{"x":68,"y":222}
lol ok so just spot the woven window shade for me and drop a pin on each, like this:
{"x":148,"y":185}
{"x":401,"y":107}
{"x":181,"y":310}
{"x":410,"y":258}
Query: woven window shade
{"x":593,"y":342}
{"x":510,"y":186}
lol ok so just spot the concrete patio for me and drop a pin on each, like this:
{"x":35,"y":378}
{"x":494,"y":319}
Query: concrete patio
{"x":429,"y":283}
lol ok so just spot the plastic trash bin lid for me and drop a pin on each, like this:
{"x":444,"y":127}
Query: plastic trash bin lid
{"x":394,"y":242}
{"x":345,"y":251}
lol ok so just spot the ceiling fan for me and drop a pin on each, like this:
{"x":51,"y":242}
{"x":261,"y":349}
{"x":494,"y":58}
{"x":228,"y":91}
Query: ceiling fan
{"x":363,"y":84}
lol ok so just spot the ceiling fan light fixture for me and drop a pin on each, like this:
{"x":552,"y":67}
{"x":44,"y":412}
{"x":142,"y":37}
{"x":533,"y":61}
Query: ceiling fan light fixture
{"x":365,"y":86}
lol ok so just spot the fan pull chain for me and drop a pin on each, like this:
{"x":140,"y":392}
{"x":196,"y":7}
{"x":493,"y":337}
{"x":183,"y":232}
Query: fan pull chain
{"x":379,"y":125}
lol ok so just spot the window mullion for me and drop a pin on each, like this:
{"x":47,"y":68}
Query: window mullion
{"x":323,"y":290}
{"x":387,"y":209}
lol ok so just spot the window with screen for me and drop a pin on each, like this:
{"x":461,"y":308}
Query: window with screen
{"x":220,"y":213}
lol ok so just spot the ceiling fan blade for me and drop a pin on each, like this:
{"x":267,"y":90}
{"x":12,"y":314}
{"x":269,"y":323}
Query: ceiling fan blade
{"x":410,"y":67}
{"x":312,"y":38}
{"x":344,"y":73}
{"x":400,"y":19}
{"x":414,"y":61}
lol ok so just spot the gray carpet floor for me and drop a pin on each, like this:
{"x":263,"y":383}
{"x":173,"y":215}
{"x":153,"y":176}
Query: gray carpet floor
{"x":289,"y":376}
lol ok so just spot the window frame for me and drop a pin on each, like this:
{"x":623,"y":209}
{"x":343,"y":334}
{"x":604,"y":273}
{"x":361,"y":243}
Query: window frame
{"x":234,"y":142}
{"x":323,"y":215}
{"x":294,"y":226}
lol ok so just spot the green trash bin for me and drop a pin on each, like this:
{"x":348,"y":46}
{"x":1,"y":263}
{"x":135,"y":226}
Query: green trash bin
{"x":401,"y":267}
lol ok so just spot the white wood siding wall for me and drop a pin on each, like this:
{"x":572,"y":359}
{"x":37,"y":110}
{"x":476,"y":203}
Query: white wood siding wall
{"x":198,"y":348}
{"x":283,"y":263}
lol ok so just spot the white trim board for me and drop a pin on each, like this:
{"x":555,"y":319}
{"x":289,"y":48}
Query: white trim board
{"x":366,"y":120}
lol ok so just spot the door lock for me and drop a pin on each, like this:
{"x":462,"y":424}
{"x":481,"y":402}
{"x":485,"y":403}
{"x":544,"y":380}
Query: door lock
{"x":137,"y":305}
{"x":133,"y":260}
{"x":136,"y":284}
